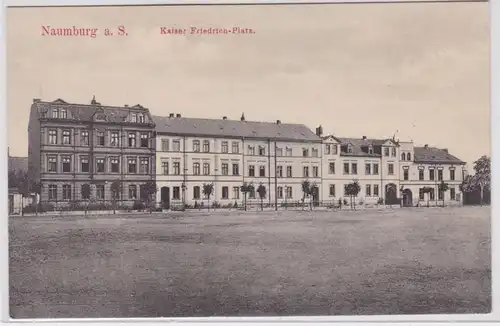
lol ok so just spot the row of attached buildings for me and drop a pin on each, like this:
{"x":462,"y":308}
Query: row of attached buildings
{"x":75,"y":144}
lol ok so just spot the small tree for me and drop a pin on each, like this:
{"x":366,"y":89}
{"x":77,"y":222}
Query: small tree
{"x":306,"y":191}
{"x":148,"y":190}
{"x":208,"y":190}
{"x":245,"y":189}
{"x":313,"y":190}
{"x":116,"y":191}
{"x":86,"y":192}
{"x":443,"y":188}
{"x":261,"y":190}
{"x":482,"y":176}
{"x":428,"y":191}
{"x":352,"y":190}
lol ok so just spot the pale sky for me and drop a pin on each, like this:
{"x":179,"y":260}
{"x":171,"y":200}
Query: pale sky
{"x":356,"y":69}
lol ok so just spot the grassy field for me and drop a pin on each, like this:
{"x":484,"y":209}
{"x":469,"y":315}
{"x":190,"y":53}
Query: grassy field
{"x":414,"y":261}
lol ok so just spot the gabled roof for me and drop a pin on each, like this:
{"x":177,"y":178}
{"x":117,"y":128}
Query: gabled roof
{"x":360,"y":146}
{"x":86,"y":112}
{"x":428,"y":154}
{"x":331,"y":136}
{"x":234,"y":129}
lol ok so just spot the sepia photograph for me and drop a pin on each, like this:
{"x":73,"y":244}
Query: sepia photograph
{"x":249,"y":160}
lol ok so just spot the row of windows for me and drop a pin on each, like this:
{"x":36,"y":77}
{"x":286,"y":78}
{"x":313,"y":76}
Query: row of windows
{"x":235,"y":193}
{"x":421,"y":175}
{"x":63,"y":114}
{"x":432,"y":195}
{"x":370,"y":190}
{"x":100,"y":138}
{"x":67,"y":192}
{"x":100,"y":165}
{"x":370,"y":168}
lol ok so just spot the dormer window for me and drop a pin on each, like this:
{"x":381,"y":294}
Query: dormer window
{"x":141,"y":118}
{"x":133,"y":118}
{"x":55,"y":113}
{"x":370,"y":150}
{"x":64,"y":114}
{"x":349,"y":149}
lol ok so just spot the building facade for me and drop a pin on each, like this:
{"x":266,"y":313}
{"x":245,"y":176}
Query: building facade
{"x":75,"y":144}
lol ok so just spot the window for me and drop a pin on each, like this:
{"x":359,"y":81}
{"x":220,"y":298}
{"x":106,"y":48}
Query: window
{"x":405,"y":175}
{"x":66,"y":163}
{"x":440,"y":195}
{"x":66,"y":192}
{"x":236,"y":169}
{"x":66,"y":137}
{"x":452,"y":194}
{"x":331,"y":168}
{"x":100,"y":138}
{"x":345,"y":191}
{"x":375,"y":169}
{"x":452,"y":175}
{"x":84,"y":164}
{"x":144,"y":140}
{"x":368,"y":190}
{"x":55,"y":113}
{"x":375,"y":190}
{"x":206,"y":146}
{"x":236,"y":192}
{"x":251,"y":150}
{"x":408,"y":156}
{"x":99,"y":165}
{"x":289,"y":193}
{"x":289,"y":152}
{"x":280,"y":192}
{"x":133,"y":117}
{"x":393,"y":151}
{"x":262,"y":171}
{"x":196,"y":192}
{"x":370,"y":150}
{"x":315,"y":152}
{"x":315,"y":171}
{"x":334,"y":149}
{"x":132,"y":165}
{"x":99,"y":192}
{"x":141,"y":118}
{"x":433,"y":195}
{"x":225,"y":169}
{"x":145,"y":165}
{"x":279,"y":151}
{"x":305,"y":171}
{"x":52,"y":136}
{"x":83,"y":194}
{"x":288,"y":171}
{"x":403,"y":156}
{"x":327,"y":149}
{"x":52,"y":192}
{"x":235,"y":147}
{"x":346,"y":168}
{"x":390,"y":169}
{"x":197,"y":170}
{"x":64,"y":114}
{"x":368,"y":169}
{"x":251,"y":194}
{"x":421,"y":194}
{"x":177,"y":168}
{"x":305,"y":152}
{"x":196,"y":145}
{"x":386,"y":151}
{"x":114,"y":138}
{"x":431,"y":174}
{"x":164,"y":167}
{"x":132,"y":192}
{"x":354,"y":168}
{"x":225,"y":192}
{"x":206,"y":168}
{"x":85,"y":137}
{"x":440,"y":175}
{"x":177,"y":193}
{"x":165,"y":145}
{"x":262,"y":151}
{"x":115,"y":165}
{"x":251,"y":171}
{"x":176,"y":145}
{"x":52,"y":164}
{"x":279,"y":171}
{"x":224,"y":147}
{"x":131,"y":139}
{"x":332,"y":191}
{"x":349,"y":149}
{"x":421,"y":175}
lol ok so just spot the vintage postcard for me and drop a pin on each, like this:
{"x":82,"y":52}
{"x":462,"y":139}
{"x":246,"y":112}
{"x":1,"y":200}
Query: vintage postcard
{"x":249,"y":160}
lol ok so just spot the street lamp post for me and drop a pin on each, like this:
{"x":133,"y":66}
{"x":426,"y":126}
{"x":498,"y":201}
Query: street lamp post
{"x":183,"y":187}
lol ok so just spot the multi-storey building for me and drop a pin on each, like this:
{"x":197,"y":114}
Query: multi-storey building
{"x":75,"y":144}
{"x":228,"y":153}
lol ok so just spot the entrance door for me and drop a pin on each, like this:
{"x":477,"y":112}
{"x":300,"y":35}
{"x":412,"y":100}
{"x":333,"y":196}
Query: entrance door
{"x":407,"y":198}
{"x":165,"y":197}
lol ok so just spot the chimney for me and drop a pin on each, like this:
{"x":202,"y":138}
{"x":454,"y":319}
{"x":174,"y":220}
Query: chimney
{"x":426,"y":145}
{"x":319,"y":131}
{"x":445,"y":149}
{"x":36,"y":100}
{"x":242,"y":117}
{"x":126,"y":105}
{"x":224,"y":118}
{"x":171,"y":115}
{"x":178,"y":115}
{"x":278,"y":122}
{"x":364,"y":137}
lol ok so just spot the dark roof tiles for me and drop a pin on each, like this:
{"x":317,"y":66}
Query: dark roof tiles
{"x":434,"y":155}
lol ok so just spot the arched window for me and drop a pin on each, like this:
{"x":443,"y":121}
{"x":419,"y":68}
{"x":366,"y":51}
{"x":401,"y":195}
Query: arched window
{"x":403,"y":156}
{"x":408,"y":157}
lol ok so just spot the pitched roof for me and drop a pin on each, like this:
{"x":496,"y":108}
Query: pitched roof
{"x":86,"y":112}
{"x":234,"y":128}
{"x":428,"y":154}
{"x":360,"y":146}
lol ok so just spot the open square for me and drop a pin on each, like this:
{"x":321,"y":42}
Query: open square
{"x":394,"y":261}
